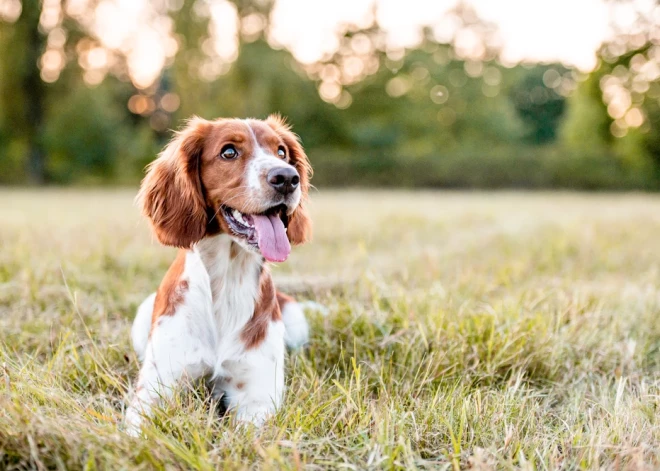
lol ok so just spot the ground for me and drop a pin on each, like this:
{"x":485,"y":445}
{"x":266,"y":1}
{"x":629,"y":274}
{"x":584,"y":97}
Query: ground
{"x":464,"y":330}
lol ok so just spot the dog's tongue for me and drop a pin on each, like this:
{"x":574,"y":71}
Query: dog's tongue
{"x":271,"y":235}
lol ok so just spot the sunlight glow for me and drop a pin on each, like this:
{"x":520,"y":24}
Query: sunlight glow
{"x":564,"y":30}
{"x":569,"y":31}
{"x":10,"y":10}
{"x":317,"y":23}
{"x":141,"y":32}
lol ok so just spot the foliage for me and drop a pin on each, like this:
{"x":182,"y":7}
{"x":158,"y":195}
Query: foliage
{"x":426,"y":117}
{"x":538,"y":105}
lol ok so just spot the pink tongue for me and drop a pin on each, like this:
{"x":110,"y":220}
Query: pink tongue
{"x":271,"y":235}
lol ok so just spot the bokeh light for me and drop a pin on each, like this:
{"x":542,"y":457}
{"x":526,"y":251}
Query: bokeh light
{"x":439,"y":94}
{"x":398,"y":86}
{"x":10,"y":10}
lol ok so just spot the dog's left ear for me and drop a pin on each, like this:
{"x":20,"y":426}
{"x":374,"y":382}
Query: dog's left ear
{"x":171,"y":193}
{"x":300,"y":224}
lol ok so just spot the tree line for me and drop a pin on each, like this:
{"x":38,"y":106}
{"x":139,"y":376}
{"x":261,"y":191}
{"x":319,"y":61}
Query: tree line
{"x":430,"y":116}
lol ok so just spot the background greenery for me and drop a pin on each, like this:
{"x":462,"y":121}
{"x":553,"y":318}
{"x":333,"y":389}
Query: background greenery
{"x":424,"y":117}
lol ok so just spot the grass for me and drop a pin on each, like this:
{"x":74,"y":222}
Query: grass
{"x":465,"y":330}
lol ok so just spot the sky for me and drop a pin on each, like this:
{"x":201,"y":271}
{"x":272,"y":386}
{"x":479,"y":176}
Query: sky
{"x":569,"y":31}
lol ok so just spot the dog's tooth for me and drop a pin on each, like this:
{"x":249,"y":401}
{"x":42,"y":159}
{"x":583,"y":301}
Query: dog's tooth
{"x":239,"y":217}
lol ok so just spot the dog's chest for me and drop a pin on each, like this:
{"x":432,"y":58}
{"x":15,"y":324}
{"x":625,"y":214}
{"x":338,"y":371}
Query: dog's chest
{"x":234,"y":282}
{"x":234,"y":299}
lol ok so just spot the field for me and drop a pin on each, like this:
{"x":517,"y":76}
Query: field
{"x":464,"y":330}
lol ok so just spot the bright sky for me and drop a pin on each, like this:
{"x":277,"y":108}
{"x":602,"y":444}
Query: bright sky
{"x":566,"y":30}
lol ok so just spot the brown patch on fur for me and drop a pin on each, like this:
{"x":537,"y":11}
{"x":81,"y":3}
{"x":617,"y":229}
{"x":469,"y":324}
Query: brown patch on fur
{"x":267,"y":137}
{"x":171,"y":192}
{"x":172,"y":289}
{"x":224,"y":180}
{"x":266,"y":310}
{"x":240,"y":385}
{"x":283,"y":299}
{"x":300,"y":226}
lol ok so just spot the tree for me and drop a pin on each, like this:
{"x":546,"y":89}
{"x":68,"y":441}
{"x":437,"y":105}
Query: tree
{"x":539,"y":106}
{"x":22,"y":85}
{"x":40,"y":64}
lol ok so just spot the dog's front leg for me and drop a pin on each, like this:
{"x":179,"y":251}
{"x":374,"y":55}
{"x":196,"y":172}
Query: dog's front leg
{"x":253,"y":382}
{"x":173,"y":355}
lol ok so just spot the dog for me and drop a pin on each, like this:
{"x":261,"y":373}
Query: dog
{"x":231,"y":194}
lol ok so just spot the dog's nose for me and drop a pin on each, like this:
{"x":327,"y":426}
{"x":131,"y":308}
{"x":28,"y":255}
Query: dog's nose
{"x":284,"y":179}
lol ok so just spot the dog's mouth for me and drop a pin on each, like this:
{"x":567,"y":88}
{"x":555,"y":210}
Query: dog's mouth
{"x":266,"y":232}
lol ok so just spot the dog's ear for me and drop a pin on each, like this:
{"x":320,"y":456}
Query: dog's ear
{"x":171,"y":193}
{"x":300,"y":224}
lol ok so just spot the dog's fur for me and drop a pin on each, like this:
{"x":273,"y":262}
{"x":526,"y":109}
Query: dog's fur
{"x":216,"y":314}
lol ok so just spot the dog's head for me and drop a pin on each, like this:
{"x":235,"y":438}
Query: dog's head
{"x":246,"y":178}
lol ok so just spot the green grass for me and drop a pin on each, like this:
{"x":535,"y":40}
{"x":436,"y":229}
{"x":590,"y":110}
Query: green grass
{"x":483,"y":330}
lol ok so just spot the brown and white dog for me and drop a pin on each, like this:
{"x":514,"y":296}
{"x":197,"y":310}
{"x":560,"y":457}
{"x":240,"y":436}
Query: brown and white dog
{"x":231,"y":195}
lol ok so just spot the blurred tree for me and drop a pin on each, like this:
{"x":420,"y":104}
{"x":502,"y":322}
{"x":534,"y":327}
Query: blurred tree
{"x":23,"y":91}
{"x":586,"y":128}
{"x":86,"y":146}
{"x":622,"y":93}
{"x":539,"y":106}
{"x":443,"y":113}
{"x":35,"y":77}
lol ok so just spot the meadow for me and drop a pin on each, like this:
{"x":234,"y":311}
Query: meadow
{"x":504,"y":330}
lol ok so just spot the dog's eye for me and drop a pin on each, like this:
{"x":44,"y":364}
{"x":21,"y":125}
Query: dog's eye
{"x":281,"y":152}
{"x":229,"y":152}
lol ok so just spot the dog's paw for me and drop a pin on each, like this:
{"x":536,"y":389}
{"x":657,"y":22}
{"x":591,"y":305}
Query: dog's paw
{"x":296,"y":328}
{"x":253,"y":415}
{"x":132,"y":425}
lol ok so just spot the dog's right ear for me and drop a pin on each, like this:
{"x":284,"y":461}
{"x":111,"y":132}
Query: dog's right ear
{"x":171,"y":193}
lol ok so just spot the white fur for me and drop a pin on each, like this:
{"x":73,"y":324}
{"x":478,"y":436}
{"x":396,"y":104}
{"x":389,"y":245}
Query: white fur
{"x":261,"y":163}
{"x":314,"y":306}
{"x":142,"y":326}
{"x":296,"y":333}
{"x":202,"y":338}
{"x":253,"y":381}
